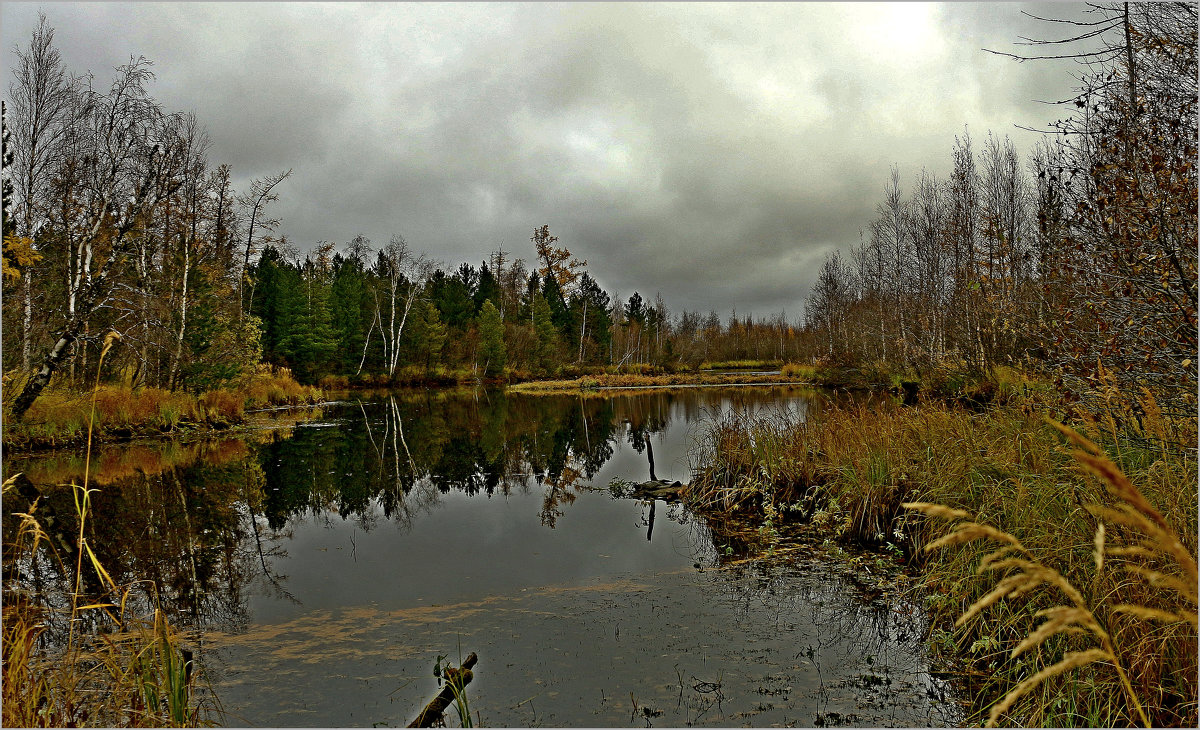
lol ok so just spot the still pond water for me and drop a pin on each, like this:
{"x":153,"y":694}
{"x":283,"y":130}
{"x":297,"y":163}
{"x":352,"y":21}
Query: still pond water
{"x":325,"y":567}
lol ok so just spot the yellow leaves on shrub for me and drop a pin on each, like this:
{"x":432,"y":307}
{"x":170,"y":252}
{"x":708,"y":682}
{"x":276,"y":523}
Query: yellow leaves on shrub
{"x":18,"y":254}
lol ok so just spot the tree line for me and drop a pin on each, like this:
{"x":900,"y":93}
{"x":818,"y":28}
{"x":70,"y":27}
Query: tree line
{"x":391,"y":314}
{"x":1080,"y":260}
{"x":117,"y":220}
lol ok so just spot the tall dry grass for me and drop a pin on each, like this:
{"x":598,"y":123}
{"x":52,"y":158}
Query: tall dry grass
{"x":61,"y":417}
{"x":850,"y":471}
{"x":124,"y":670}
{"x":1142,"y":589}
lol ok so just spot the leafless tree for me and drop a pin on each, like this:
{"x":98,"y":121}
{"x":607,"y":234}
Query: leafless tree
{"x":255,"y":203}
{"x":45,"y":102}
{"x":122,"y":154}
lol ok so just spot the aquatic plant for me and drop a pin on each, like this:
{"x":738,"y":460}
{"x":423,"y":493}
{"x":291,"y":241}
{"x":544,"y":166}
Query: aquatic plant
{"x":452,"y":692}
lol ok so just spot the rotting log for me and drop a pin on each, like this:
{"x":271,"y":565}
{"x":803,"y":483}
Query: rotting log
{"x":456,"y":680}
{"x":663,"y":489}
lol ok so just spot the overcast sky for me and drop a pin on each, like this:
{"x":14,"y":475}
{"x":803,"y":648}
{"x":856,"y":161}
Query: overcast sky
{"x":713,"y":153}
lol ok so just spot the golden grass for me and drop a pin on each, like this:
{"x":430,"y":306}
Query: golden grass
{"x":742,"y":365}
{"x":1153,"y":553}
{"x":60,"y":417}
{"x":800,"y":371}
{"x":140,"y":677}
{"x":606,"y":381}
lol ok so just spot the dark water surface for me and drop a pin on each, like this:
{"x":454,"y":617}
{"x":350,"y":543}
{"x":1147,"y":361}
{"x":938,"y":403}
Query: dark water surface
{"x":324,"y":569}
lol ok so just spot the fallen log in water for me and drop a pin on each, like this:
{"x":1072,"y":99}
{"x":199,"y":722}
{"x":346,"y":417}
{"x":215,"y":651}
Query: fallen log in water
{"x":658,"y":489}
{"x":456,"y":680}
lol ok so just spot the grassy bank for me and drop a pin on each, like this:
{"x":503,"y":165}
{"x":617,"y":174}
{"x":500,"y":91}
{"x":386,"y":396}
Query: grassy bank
{"x":742,"y":365}
{"x":606,"y":381}
{"x":849,"y":471}
{"x":60,"y":417}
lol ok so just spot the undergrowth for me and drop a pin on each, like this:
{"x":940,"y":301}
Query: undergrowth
{"x":61,"y":417}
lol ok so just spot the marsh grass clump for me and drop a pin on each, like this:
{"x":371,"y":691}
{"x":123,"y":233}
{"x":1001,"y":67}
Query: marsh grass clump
{"x":1137,"y":607}
{"x":222,"y":406}
{"x":799,"y":371}
{"x":272,"y":386}
{"x":137,"y":674}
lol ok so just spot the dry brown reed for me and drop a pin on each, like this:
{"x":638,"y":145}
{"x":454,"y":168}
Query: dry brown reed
{"x":1151,"y":551}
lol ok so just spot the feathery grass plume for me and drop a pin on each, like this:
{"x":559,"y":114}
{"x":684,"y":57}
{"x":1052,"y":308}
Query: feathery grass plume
{"x":1028,"y":575}
{"x":1162,"y":562}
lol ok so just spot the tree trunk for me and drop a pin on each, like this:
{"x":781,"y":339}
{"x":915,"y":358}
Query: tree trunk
{"x":27,"y":325}
{"x":456,"y":680}
{"x":183,"y":312}
{"x":41,"y":378}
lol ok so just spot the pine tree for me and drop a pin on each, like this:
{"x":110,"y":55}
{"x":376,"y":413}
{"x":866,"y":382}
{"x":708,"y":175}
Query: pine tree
{"x":351,"y":307}
{"x":487,"y":288}
{"x":313,"y":340}
{"x":547,"y":335}
{"x":491,"y":339}
{"x":430,"y":332}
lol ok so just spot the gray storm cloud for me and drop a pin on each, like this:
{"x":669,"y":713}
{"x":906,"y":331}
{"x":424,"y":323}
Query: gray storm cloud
{"x":711,"y":153}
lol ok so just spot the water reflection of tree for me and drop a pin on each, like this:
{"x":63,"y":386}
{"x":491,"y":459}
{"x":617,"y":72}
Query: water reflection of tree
{"x":194,"y":527}
{"x":393,"y":456}
{"x":174,"y":539}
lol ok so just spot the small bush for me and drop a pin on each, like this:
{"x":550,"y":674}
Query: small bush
{"x":334,"y":382}
{"x":222,"y":405}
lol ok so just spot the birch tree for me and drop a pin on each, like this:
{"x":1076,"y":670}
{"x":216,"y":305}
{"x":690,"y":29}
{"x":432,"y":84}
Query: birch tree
{"x":123,"y":157}
{"x":45,"y":101}
{"x":405,"y":274}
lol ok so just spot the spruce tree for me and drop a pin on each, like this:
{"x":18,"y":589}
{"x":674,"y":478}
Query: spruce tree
{"x":491,"y":339}
{"x":433,"y":334}
{"x":547,"y":335}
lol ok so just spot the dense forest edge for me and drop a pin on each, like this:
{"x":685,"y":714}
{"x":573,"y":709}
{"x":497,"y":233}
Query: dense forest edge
{"x":143,"y":294}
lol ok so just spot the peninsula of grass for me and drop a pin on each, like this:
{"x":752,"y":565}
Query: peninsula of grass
{"x":617,"y":381}
{"x":742,"y":365}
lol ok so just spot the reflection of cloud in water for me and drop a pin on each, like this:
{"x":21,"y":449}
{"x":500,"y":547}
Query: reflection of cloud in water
{"x":760,"y":644}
